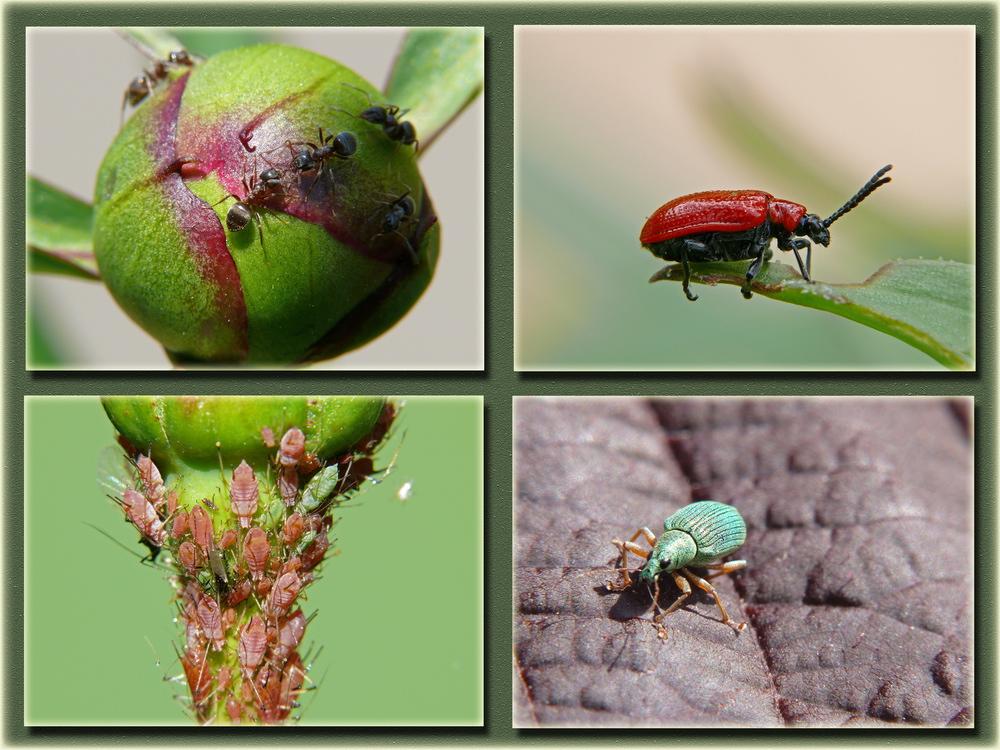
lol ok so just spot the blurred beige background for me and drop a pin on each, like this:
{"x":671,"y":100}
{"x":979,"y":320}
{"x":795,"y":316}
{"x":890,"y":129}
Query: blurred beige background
{"x":75,"y":81}
{"x":612,"y":122}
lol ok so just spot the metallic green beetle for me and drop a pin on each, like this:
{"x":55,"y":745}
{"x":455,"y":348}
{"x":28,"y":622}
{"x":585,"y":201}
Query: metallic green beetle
{"x":696,"y":535}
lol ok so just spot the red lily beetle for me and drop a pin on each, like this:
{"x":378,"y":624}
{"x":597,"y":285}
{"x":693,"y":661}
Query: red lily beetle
{"x":731,"y":225}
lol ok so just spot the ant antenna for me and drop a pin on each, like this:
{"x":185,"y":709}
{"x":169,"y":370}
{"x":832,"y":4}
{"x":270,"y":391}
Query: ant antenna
{"x":870,"y":187}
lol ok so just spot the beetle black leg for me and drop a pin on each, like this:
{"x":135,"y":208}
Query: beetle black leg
{"x":753,"y":271}
{"x":687,"y":266}
{"x":803,"y":269}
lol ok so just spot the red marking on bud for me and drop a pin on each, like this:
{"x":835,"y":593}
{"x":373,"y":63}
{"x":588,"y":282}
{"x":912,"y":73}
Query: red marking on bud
{"x":243,"y":493}
{"x":256,"y":550}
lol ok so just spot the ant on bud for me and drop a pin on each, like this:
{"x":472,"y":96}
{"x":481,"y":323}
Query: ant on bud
{"x":145,"y":83}
{"x":319,"y":157}
{"x":388,"y":116}
{"x":400,"y":212}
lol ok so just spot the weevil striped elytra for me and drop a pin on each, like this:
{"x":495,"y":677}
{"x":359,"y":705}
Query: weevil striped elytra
{"x":697,"y":535}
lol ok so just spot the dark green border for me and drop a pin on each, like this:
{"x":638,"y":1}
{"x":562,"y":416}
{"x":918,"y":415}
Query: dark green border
{"x":500,"y":382}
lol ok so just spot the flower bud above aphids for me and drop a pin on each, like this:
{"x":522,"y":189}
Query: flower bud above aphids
{"x":248,"y":213}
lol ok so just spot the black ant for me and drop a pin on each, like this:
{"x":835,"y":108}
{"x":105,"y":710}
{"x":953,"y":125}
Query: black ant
{"x":258,"y":190}
{"x":342,"y":145}
{"x":144,"y":84}
{"x":401,"y":209}
{"x":388,"y":116}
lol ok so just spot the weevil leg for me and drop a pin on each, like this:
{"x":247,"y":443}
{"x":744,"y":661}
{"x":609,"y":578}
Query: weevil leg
{"x":706,"y":586}
{"x":724,"y":568}
{"x":634,"y":549}
{"x":685,"y":588}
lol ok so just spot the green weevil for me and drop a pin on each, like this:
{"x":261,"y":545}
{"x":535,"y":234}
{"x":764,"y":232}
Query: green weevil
{"x":696,"y":535}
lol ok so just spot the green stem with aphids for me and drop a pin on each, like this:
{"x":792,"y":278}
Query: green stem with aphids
{"x":225,"y":496}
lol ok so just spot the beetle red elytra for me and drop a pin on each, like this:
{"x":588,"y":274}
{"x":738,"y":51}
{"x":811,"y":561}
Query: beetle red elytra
{"x":733,"y":225}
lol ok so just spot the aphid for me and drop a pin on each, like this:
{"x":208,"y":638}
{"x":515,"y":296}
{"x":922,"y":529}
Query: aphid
{"x":218,"y":565}
{"x":399,"y":213}
{"x":313,"y":554}
{"x":198,"y":674}
{"x":267,"y":435}
{"x":292,"y":529}
{"x":179,"y":525}
{"x":210,"y":619}
{"x":286,"y":588}
{"x":228,"y":537}
{"x":201,"y":528}
{"x":318,"y":489}
{"x":243,"y":494}
{"x":291,"y":682}
{"x":144,"y":517}
{"x":388,"y":116}
{"x":253,"y":643}
{"x":293,"y":445}
{"x":290,"y":635}
{"x":733,"y":225}
{"x":697,"y":535}
{"x":319,"y":157}
{"x":234,"y":710}
{"x":188,"y":555}
{"x":151,"y":480}
{"x":239,"y":593}
{"x":144,"y":84}
{"x":256,"y":551}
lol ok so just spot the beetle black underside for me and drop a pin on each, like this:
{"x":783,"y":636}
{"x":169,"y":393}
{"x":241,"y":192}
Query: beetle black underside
{"x":728,"y":247}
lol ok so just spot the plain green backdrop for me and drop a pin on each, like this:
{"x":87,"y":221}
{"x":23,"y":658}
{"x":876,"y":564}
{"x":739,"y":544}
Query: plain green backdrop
{"x":399,"y":610}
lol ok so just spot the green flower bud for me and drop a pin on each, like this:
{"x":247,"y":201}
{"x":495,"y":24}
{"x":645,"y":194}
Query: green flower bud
{"x":248,"y":212}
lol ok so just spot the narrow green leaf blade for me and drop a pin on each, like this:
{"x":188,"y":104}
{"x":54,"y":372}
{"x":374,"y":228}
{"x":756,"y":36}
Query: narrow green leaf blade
{"x":929,"y":304}
{"x":437,"y":74}
{"x":155,"y":43}
{"x":58,"y":232}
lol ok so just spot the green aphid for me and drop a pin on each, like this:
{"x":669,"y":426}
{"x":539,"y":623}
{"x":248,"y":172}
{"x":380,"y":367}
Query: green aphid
{"x":319,"y":488}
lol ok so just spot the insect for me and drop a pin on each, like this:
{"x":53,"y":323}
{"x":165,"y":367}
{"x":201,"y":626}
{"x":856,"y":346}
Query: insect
{"x":317,"y":157}
{"x":399,"y":213}
{"x":256,"y":550}
{"x":732,"y":225}
{"x":145,"y":83}
{"x":388,"y":116}
{"x":243,"y":493}
{"x":697,"y":535}
{"x":259,"y":189}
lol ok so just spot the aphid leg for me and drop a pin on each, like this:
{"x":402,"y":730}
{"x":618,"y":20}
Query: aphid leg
{"x":706,"y":586}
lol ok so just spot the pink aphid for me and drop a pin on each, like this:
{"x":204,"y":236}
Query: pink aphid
{"x":188,"y":555}
{"x":253,"y":643}
{"x":198,"y":674}
{"x":142,"y":513}
{"x":151,"y":480}
{"x":263,"y":586}
{"x":286,"y":588}
{"x":238,"y":593}
{"x":223,"y":678}
{"x":290,"y":566}
{"x":201,"y":528}
{"x":292,"y":529}
{"x":172,"y":500}
{"x":210,"y":619}
{"x":293,"y":445}
{"x":228,"y":537}
{"x":256,"y":551}
{"x":234,"y":710}
{"x":288,"y":485}
{"x":267,"y":435}
{"x":290,"y":635}
{"x":294,"y":676}
{"x":179,"y":525}
{"x":243,"y":493}
{"x":315,"y":552}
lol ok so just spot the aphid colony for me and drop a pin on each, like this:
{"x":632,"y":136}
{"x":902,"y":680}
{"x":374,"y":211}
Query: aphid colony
{"x":239,"y":577}
{"x":272,"y":179}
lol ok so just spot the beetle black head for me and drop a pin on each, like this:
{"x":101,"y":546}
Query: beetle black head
{"x":870,"y":187}
{"x":815,"y":228}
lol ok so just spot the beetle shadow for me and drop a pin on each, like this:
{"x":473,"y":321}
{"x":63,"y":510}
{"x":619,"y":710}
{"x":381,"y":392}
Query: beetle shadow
{"x":636,"y":602}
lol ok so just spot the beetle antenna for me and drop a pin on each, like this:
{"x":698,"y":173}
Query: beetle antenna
{"x":870,"y":187}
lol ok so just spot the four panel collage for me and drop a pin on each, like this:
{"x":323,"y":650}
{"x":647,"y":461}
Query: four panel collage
{"x":596,"y":477}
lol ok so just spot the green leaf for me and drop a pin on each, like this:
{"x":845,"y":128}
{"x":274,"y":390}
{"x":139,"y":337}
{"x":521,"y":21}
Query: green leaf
{"x":929,"y":304}
{"x":59,"y":231}
{"x":156,"y":43}
{"x":437,"y":74}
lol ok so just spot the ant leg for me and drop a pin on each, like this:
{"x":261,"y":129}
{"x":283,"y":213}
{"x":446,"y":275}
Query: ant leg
{"x":706,"y":586}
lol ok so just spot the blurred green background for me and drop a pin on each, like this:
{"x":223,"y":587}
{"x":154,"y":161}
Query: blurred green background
{"x":612,"y":122}
{"x":400,"y":609}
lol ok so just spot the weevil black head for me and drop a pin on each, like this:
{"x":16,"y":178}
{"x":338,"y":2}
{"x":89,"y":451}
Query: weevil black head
{"x":813,"y":227}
